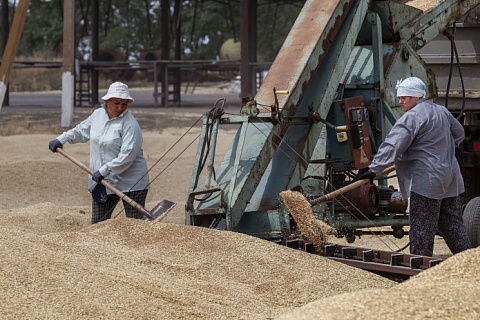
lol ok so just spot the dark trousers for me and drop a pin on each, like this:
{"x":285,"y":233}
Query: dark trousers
{"x":103,"y":211}
{"x":426,"y":215}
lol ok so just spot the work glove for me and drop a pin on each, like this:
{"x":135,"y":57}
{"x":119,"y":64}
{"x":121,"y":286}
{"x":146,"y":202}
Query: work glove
{"x":97,"y":177}
{"x":54,"y":144}
{"x":99,"y":193}
{"x":368,"y":174}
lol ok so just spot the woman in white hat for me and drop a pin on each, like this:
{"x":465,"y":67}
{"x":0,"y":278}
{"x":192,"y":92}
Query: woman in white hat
{"x":421,"y":144}
{"x":116,"y":153}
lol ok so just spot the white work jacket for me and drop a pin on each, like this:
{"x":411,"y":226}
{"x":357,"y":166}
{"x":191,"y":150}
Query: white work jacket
{"x":115,"y":149}
{"x":421,"y":144}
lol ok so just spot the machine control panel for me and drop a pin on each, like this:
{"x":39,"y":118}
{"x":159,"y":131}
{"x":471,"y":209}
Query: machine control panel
{"x":359,"y":140}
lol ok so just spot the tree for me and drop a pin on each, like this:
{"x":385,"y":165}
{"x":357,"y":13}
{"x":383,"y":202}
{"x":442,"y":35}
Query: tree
{"x":133,"y":25}
{"x":129,"y":25}
{"x":208,"y":24}
{"x":43,"y":30}
{"x":275,"y":19}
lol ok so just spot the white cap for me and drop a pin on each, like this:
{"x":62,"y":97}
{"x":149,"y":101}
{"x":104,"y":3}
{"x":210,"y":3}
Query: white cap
{"x":118,"y":90}
{"x":411,"y":87}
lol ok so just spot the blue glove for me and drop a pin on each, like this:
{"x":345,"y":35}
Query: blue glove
{"x":99,"y":193}
{"x":366,"y":175}
{"x":97,"y":176}
{"x":54,"y":144}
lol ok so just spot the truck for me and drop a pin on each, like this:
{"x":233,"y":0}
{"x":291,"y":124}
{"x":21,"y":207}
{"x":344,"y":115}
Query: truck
{"x":325,"y":106}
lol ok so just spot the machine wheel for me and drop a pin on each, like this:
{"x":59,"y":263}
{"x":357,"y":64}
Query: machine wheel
{"x":471,"y":219}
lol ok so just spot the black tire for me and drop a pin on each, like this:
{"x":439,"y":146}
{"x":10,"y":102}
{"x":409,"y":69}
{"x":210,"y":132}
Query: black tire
{"x":471,"y":219}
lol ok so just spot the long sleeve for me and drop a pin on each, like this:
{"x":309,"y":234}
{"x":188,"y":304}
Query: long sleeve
{"x":116,"y":151}
{"x":421,"y":144}
{"x":79,"y":134}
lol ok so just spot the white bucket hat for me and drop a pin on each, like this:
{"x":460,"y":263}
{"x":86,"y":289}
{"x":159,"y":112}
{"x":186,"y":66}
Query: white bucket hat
{"x":411,"y":87}
{"x":118,"y":90}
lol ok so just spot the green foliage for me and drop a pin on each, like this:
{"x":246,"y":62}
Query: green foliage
{"x":274,"y":21}
{"x":206,"y":27}
{"x":128,"y":26}
{"x":133,"y":25}
{"x":43,"y":29}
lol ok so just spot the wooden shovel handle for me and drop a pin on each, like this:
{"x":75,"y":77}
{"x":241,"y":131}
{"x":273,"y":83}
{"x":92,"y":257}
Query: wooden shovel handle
{"x":119,"y":193}
{"x":351,"y":186}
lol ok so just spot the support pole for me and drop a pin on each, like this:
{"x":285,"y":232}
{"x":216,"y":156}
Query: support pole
{"x":95,"y":49}
{"x":5,"y":29}
{"x":165,"y":48}
{"x":68,"y":74}
{"x":12,"y":46}
{"x":248,"y":46}
{"x":177,"y":20}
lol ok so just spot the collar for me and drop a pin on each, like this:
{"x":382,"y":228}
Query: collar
{"x":104,"y":106}
{"x":417,"y":102}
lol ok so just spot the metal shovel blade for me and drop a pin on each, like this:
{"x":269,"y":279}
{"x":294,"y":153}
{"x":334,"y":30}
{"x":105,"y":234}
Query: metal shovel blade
{"x":160,"y":210}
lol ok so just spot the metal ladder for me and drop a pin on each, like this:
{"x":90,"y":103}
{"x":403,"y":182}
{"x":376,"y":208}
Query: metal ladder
{"x":83,"y":91}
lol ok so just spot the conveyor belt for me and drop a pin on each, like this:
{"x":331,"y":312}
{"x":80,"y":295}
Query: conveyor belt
{"x":393,"y":265}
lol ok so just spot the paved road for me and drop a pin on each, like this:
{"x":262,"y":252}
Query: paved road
{"x":143,"y":99}
{"x":40,"y":112}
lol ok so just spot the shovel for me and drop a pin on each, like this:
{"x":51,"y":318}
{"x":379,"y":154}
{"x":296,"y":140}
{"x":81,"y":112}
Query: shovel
{"x":158,"y":212}
{"x":351,"y":186}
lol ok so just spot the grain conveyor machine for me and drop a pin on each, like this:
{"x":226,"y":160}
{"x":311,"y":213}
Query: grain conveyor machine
{"x":327,"y":103}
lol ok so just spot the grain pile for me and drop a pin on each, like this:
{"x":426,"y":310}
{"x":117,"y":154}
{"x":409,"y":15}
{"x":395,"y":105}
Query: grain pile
{"x":312,"y":229}
{"x":56,"y":266}
{"x":132,"y":269}
{"x":423,"y":5}
{"x":31,"y":174}
{"x":447,"y":291}
{"x":44,"y":218}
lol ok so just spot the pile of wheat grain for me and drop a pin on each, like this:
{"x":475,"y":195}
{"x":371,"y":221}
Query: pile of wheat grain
{"x":449,"y":290}
{"x":56,"y":266}
{"x":423,"y":5}
{"x":312,"y":229}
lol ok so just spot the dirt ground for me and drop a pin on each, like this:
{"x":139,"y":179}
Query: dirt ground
{"x":56,"y":265}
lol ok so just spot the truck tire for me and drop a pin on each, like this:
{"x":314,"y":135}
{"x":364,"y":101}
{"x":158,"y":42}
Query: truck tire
{"x":471,"y":219}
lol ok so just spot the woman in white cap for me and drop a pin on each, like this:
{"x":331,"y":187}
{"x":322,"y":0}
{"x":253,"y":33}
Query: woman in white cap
{"x":421,"y":144}
{"x":116,"y":153}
